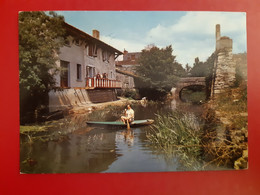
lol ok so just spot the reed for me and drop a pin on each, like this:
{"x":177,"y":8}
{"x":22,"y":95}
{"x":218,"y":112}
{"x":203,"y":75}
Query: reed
{"x":178,"y":134}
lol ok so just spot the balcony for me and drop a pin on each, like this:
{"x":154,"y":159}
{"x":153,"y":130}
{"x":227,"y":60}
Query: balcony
{"x":93,"y":83}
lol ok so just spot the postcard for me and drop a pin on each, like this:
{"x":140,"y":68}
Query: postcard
{"x":132,"y":91}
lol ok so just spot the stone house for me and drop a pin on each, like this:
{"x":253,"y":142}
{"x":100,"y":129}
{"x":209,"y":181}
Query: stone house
{"x":126,"y":67}
{"x":87,"y":70}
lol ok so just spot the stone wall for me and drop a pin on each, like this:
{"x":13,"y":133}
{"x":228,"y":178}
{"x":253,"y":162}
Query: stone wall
{"x":225,"y":71}
{"x":62,"y":99}
{"x":127,"y":81}
{"x":225,"y":68}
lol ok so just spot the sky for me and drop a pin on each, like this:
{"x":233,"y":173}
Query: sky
{"x":191,"y":34}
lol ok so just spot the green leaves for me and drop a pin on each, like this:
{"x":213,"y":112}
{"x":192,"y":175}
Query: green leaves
{"x":158,"y":71}
{"x":203,"y":69}
{"x":40,"y":36}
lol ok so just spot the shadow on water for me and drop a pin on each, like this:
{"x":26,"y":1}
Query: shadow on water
{"x":97,"y":149}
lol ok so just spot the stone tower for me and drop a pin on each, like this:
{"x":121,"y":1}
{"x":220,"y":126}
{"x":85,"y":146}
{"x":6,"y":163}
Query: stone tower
{"x":224,"y":66}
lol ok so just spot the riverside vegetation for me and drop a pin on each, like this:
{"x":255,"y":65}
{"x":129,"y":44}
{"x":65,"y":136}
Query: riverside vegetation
{"x":220,"y":141}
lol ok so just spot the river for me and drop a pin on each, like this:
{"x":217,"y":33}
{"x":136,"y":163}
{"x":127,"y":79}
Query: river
{"x":85,"y":149}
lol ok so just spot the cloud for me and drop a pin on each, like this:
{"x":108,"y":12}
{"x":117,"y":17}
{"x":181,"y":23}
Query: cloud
{"x":121,"y":44}
{"x":193,"y":35}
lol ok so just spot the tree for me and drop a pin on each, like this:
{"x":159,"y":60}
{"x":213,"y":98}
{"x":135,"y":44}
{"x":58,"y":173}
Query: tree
{"x":204,"y":69}
{"x":198,"y":69}
{"x":40,"y":37}
{"x":158,"y":72}
{"x":187,"y":69}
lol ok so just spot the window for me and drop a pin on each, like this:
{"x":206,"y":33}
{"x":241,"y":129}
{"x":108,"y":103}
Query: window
{"x":92,"y":50}
{"x":105,"y":56}
{"x":90,"y":72}
{"x":77,"y":42}
{"x":67,"y":42}
{"x":64,"y":75}
{"x":78,"y":71}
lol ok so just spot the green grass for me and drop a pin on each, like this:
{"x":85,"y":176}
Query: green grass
{"x":178,"y":134}
{"x":32,"y":129}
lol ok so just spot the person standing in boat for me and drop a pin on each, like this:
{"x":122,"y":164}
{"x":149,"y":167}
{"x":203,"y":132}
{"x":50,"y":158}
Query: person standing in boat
{"x":129,"y":115}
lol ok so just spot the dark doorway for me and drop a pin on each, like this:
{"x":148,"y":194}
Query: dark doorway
{"x":64,"y":76}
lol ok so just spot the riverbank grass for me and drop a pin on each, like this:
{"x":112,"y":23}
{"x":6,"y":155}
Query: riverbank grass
{"x":178,"y":134}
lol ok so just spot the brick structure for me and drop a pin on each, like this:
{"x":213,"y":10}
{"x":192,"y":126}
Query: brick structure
{"x":127,"y":65}
{"x":188,"y":81}
{"x":225,"y":68}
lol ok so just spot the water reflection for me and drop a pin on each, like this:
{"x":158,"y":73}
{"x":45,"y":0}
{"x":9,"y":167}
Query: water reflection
{"x":127,"y":136}
{"x":92,"y":152}
{"x":91,"y":149}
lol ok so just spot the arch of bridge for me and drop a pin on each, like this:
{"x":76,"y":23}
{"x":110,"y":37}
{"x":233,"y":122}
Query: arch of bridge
{"x":189,"y":81}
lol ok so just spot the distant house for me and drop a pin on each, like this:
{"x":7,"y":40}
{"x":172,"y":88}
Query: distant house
{"x":126,"y":68}
{"x":87,"y":70}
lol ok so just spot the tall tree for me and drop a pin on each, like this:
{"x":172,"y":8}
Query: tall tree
{"x":40,"y":37}
{"x":158,"y":72}
{"x":204,"y":69}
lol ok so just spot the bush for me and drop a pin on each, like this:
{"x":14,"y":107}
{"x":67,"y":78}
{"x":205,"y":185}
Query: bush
{"x":130,"y":93}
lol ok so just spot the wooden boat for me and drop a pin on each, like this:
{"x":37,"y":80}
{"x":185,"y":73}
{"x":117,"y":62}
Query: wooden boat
{"x":135,"y":123}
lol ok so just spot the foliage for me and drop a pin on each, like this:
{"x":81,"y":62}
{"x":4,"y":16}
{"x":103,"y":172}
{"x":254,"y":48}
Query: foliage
{"x":204,"y":69}
{"x":219,"y":142}
{"x":194,"y":94}
{"x":158,"y":72}
{"x":40,"y":37}
{"x":241,"y":68}
{"x":179,"y":134}
{"x":226,"y":142}
{"x":130,"y":93}
{"x":109,"y":113}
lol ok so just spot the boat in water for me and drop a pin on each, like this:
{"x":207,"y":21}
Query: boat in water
{"x":135,"y":123}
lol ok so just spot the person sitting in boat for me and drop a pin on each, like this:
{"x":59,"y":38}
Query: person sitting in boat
{"x":129,"y":115}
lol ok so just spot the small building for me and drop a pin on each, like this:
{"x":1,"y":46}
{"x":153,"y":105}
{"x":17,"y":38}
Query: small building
{"x":126,"y":68}
{"x":87,"y":70}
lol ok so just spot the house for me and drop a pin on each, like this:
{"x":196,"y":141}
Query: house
{"x":84,"y":56}
{"x":126,"y":67}
{"x":87,"y":70}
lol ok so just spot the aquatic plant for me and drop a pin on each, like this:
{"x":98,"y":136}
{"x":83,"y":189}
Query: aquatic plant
{"x":178,"y":134}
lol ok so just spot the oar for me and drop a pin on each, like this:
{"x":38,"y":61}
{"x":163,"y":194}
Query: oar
{"x":128,"y":125}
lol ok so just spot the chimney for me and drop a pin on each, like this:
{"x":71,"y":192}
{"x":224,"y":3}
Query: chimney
{"x":125,"y":52}
{"x":218,"y":32}
{"x":95,"y":34}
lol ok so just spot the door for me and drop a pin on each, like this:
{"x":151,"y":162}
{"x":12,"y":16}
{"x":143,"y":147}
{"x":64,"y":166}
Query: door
{"x":64,"y":75}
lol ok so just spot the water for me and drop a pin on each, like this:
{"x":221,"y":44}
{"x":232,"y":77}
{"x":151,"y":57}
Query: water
{"x":99,"y":149}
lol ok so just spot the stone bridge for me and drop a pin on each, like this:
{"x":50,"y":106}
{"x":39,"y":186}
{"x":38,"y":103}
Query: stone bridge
{"x":189,"y":81}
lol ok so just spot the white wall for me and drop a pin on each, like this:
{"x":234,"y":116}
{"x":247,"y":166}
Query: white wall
{"x":75,"y":54}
